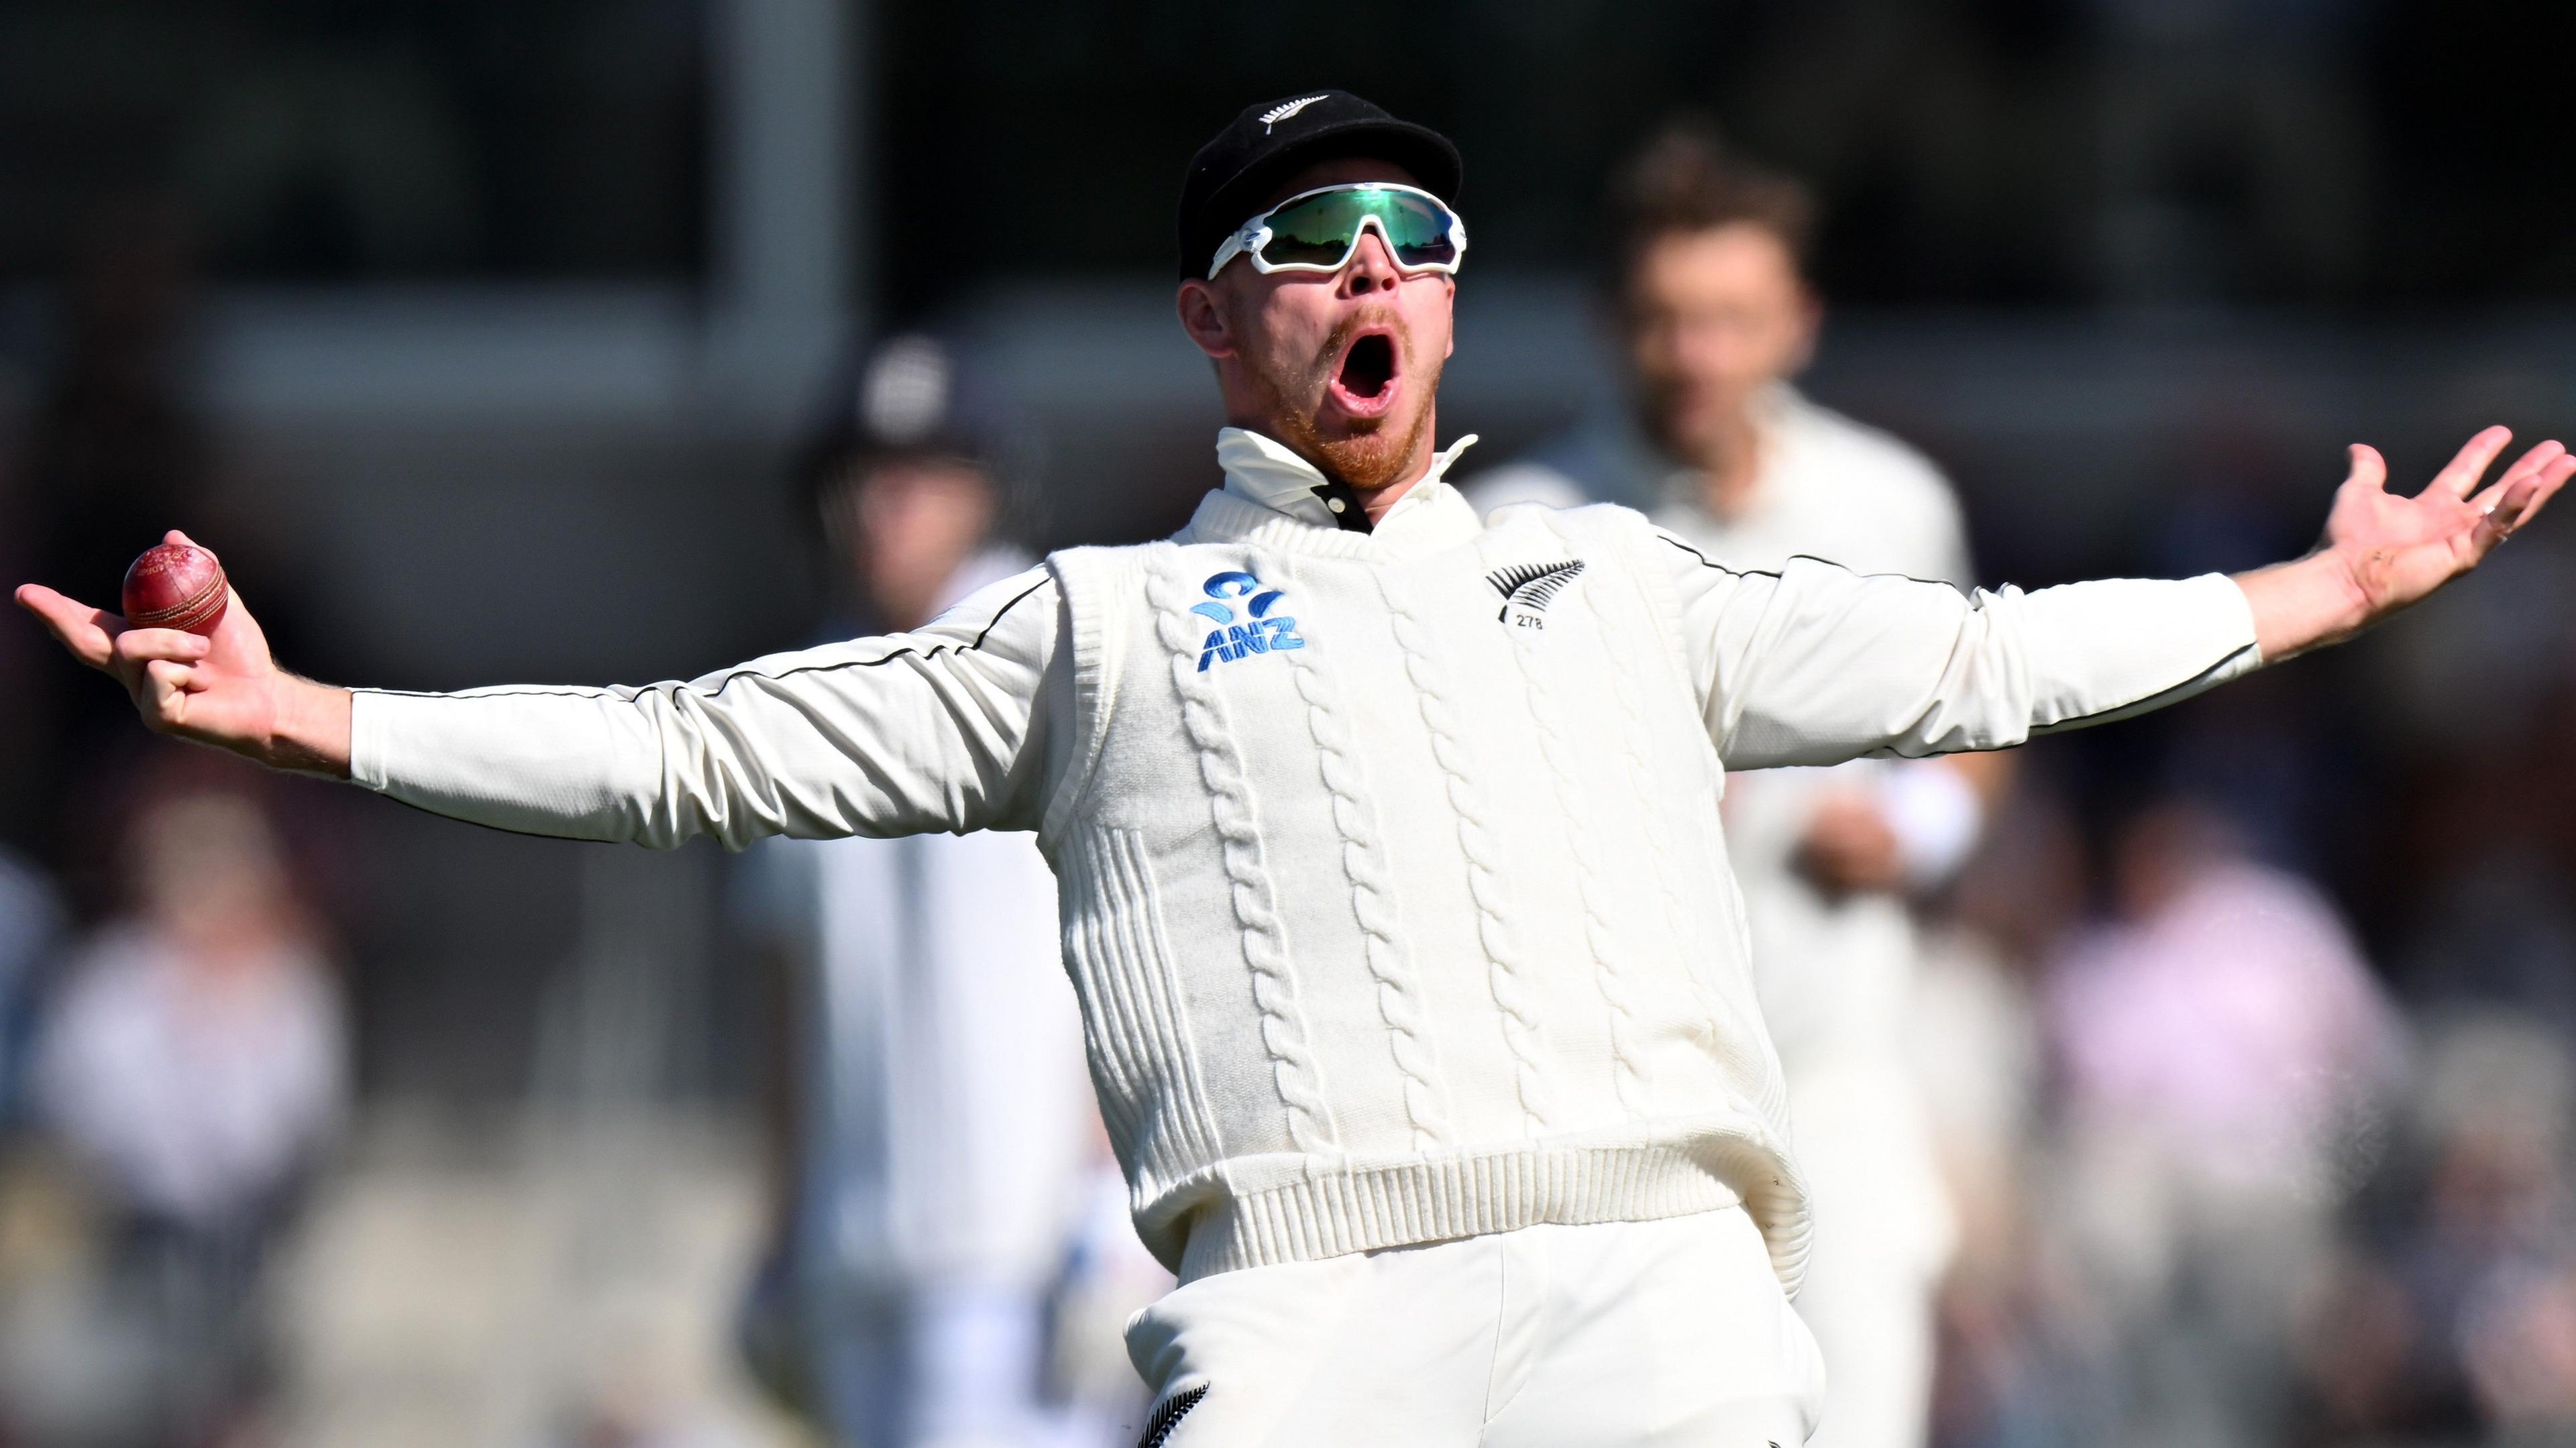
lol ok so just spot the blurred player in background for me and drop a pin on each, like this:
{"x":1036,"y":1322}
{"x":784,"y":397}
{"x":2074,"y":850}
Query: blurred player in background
{"x":1716,"y":316}
{"x":31,"y":921}
{"x":934,"y":1129}
{"x":195,"y":1060}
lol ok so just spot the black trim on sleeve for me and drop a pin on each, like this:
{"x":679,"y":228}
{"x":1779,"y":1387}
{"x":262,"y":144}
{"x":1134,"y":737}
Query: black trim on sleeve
{"x":2143,"y":704}
{"x":1168,"y":1415}
{"x":1708,"y":562}
{"x":934,"y":651}
{"x":996,"y":620}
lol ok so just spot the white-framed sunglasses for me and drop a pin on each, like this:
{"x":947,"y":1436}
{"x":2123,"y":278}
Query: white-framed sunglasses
{"x":1316,"y":231}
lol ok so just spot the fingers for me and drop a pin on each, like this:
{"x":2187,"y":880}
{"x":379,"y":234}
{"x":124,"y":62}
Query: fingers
{"x":2530,"y":464}
{"x":137,"y":648}
{"x":90,"y":633}
{"x":2461,"y":477}
{"x":2546,"y":489}
{"x":2500,"y":519}
{"x":164,"y":694}
{"x":2369,"y":469}
{"x":2522,"y":502}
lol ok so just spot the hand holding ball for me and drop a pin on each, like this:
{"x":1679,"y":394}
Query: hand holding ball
{"x":199,"y":668}
{"x":176,"y":585}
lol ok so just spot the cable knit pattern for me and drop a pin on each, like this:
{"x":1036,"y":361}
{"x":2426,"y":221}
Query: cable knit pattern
{"x":1600,"y":935}
{"x":1512,"y":993}
{"x":1142,"y":1052}
{"x":1265,"y":945}
{"x":1726,"y":1025}
{"x":1373,"y":901}
{"x":1233,"y":824}
{"x":1768,"y":1174}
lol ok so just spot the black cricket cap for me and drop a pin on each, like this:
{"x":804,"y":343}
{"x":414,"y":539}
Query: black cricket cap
{"x":1273,"y":140}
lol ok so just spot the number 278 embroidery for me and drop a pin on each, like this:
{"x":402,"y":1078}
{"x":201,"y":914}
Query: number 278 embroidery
{"x":1266,"y":632}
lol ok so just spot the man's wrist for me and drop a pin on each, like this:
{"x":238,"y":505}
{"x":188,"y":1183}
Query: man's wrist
{"x":311,"y":731}
{"x":2305,"y":603}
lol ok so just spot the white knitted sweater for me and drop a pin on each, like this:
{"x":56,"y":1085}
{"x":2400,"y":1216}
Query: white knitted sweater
{"x":1383,"y":857}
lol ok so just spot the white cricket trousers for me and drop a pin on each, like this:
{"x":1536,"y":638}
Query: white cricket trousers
{"x":1670,"y":1333}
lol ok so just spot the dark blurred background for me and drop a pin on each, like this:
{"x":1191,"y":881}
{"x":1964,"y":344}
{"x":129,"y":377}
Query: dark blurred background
{"x":476,"y":336}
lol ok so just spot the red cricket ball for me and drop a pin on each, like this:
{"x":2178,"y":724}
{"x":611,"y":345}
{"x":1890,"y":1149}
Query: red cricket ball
{"x":176,"y":586}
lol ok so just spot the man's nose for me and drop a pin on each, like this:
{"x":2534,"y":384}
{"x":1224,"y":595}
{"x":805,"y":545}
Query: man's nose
{"x":1371,"y":267}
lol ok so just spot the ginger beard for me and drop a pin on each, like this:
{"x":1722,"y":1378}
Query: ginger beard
{"x":1369,"y":350}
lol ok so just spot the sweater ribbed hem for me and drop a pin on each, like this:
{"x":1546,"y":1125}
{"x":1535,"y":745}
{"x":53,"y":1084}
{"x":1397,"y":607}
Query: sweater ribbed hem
{"x":1335,"y":1212}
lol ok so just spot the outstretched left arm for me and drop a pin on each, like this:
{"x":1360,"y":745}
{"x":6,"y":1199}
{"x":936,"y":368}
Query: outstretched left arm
{"x":1815,"y":664}
{"x":2382,"y":552}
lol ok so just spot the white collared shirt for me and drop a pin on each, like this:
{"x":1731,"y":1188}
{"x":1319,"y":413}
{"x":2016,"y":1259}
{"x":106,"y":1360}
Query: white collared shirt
{"x":1264,"y":470}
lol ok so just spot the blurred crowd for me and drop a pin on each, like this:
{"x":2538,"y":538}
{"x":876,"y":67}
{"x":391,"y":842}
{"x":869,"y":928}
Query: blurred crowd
{"x":2220,"y":1183}
{"x":2245,"y":1040}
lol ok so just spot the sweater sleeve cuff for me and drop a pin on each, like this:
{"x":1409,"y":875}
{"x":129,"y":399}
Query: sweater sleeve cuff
{"x":2232,"y":617}
{"x":367,"y":737}
{"x":2118,"y":648}
{"x":2244,"y":618}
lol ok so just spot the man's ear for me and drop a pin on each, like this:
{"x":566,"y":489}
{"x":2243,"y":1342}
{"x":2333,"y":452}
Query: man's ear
{"x":1203,"y":317}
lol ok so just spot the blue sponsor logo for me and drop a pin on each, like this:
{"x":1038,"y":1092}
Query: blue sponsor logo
{"x":1258,"y":629}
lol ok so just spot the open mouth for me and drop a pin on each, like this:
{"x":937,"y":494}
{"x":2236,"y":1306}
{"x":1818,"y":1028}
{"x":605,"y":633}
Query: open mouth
{"x":1364,"y":383}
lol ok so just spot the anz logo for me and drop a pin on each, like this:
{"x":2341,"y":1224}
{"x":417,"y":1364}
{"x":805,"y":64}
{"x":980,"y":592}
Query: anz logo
{"x":1528,"y":588}
{"x":1262,"y":632}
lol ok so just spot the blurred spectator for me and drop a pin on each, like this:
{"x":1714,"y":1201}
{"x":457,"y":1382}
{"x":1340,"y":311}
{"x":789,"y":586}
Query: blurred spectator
{"x":1719,"y":448}
{"x":195,"y":1062}
{"x":30,"y":922}
{"x":2013,"y":1358}
{"x":2221,"y":1046}
{"x":937,"y":1137}
{"x":2487,"y":1257}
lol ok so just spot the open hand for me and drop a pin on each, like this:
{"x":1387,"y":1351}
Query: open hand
{"x":2382,"y":551}
{"x":2400,"y":549}
{"x":224,"y":690}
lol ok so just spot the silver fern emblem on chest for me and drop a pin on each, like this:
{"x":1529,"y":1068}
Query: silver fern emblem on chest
{"x":1276,"y":114}
{"x":1531,"y":587}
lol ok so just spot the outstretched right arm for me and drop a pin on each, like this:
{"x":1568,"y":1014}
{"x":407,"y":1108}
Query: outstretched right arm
{"x":938,"y":729}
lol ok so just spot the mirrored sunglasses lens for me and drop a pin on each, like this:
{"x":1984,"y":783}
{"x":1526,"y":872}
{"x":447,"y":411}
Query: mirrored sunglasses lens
{"x":1319,"y":231}
{"x":1418,"y":230}
{"x":1314,"y":232}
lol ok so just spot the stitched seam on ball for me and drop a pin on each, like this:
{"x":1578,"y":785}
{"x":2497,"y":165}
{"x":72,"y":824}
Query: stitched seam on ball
{"x":184,"y":611}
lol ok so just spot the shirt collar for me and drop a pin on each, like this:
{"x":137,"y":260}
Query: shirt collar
{"x":1263,"y":470}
